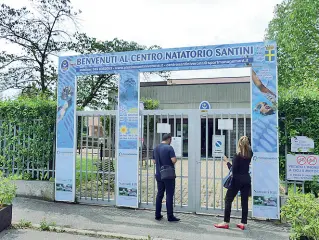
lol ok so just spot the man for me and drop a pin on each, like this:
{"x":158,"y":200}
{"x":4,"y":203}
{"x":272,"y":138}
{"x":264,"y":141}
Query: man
{"x":164,"y":154}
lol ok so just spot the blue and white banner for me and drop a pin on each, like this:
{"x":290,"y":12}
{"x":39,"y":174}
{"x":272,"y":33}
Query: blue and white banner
{"x":260,"y":56}
{"x":128,"y":140}
{"x":65,"y":134}
{"x":265,"y":136}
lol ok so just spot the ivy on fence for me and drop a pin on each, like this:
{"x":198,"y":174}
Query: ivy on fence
{"x":27,"y":136}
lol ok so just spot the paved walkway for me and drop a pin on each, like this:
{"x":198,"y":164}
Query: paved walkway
{"x":24,"y":234}
{"x":140,"y":222}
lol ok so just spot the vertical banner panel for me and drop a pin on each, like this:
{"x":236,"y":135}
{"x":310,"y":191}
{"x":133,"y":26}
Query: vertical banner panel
{"x":265,"y":192}
{"x":127,"y":153}
{"x":66,"y":130}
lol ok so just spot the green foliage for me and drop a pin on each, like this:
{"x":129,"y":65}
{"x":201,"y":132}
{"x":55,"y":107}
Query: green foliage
{"x":23,"y":224}
{"x":298,"y":103}
{"x":150,"y":104}
{"x":27,"y":136}
{"x":38,"y":35}
{"x":295,"y":28}
{"x":44,"y":226}
{"x":314,"y":186}
{"x":301,"y":211}
{"x":7,"y":191}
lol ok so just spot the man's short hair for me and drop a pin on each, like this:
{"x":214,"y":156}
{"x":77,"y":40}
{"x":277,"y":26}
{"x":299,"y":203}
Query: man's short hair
{"x":167,"y":136}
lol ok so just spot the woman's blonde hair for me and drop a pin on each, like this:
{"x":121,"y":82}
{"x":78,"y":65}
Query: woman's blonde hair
{"x":243,"y":147}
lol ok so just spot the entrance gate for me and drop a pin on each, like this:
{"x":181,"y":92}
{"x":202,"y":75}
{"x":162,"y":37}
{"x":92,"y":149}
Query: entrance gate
{"x":199,"y":172}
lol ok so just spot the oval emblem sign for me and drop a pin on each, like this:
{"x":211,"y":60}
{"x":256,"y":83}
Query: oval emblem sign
{"x":204,"y":105}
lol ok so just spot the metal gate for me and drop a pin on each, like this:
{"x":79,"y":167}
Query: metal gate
{"x":180,"y":121}
{"x":95,"y":162}
{"x":212,"y":169}
{"x":199,"y":173}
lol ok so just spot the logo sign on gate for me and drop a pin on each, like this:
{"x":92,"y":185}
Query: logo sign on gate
{"x":302,"y":167}
{"x":218,"y":145}
{"x":204,"y":105}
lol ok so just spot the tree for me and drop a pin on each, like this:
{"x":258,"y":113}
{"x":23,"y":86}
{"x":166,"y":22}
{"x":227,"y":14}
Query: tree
{"x":295,"y":27}
{"x":38,"y":35}
{"x":95,"y":89}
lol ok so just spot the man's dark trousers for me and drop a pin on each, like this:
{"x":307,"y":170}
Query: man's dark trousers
{"x":169,"y":187}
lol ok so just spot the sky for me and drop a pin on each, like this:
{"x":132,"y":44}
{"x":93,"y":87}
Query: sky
{"x":175,"y":23}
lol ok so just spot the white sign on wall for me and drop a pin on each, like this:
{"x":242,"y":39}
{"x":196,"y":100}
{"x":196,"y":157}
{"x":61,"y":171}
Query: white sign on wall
{"x":218,"y":145}
{"x":302,"y":167}
{"x":302,"y":144}
{"x":141,"y":106}
{"x":225,"y":124}
{"x":177,"y":145}
{"x":163,"y":128}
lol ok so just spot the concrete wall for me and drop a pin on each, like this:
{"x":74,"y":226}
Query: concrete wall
{"x":35,"y":189}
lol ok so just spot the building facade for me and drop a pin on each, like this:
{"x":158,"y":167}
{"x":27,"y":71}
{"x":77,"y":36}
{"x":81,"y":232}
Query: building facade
{"x":221,"y":93}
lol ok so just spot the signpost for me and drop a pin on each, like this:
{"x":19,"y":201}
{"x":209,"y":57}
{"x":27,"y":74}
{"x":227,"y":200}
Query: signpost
{"x":302,"y":167}
{"x":163,"y":128}
{"x":177,"y":145}
{"x":218,"y":145}
{"x":225,"y":124}
{"x":302,"y":144}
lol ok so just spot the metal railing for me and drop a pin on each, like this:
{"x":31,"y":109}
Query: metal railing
{"x":27,"y":149}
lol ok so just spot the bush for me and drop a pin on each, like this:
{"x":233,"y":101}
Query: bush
{"x":301,"y":211}
{"x":7,"y":191}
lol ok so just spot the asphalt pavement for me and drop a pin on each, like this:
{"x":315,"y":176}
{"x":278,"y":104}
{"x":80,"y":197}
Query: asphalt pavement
{"x":27,"y":234}
{"x":141,"y":222}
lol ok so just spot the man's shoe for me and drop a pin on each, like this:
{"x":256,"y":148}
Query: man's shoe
{"x":159,"y":218}
{"x":173,"y":219}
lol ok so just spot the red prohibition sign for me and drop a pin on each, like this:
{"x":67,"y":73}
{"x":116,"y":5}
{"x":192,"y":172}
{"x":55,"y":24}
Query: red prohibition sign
{"x":301,"y":160}
{"x":312,"y":160}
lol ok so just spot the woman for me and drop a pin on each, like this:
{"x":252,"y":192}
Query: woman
{"x":241,"y":182}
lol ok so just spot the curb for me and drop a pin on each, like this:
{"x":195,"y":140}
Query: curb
{"x":92,"y":233}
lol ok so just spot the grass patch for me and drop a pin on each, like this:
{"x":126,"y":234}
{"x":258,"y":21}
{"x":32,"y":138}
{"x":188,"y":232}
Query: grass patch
{"x":44,"y":226}
{"x":23,"y":224}
{"x":52,"y":227}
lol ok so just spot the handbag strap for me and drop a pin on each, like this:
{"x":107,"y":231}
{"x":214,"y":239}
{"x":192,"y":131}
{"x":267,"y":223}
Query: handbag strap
{"x":158,"y":155}
{"x":231,"y":171}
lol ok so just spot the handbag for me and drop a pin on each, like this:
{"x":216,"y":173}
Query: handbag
{"x":167,"y":172}
{"x":227,"y":181}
